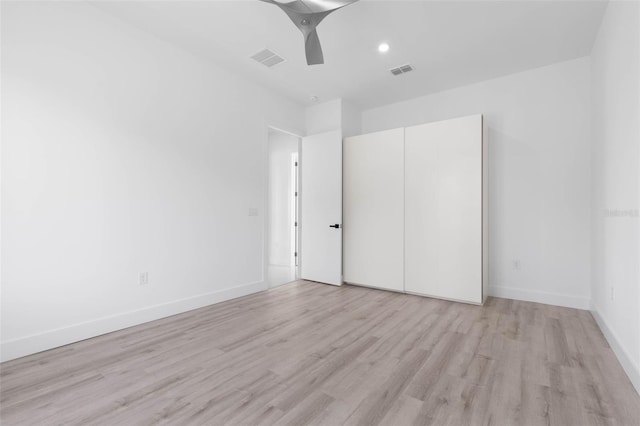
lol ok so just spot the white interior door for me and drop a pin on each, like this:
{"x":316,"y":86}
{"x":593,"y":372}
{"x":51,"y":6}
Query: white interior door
{"x":321,"y":211}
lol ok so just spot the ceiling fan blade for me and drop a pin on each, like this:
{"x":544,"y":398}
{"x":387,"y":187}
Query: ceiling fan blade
{"x":313,"y":49}
{"x":306,"y":15}
{"x":311,"y":6}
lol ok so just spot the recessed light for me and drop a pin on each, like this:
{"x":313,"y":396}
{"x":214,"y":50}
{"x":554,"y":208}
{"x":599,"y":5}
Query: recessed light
{"x":383,"y":48}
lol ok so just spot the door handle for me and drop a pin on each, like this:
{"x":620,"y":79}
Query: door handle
{"x":335,"y":226}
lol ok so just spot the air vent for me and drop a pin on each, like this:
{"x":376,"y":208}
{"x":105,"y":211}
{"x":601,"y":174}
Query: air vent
{"x":267,"y":58}
{"x":402,"y":69}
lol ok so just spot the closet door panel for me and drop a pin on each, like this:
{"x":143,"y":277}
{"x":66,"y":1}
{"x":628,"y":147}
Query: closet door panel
{"x":373,"y":216}
{"x":422,"y":214}
{"x":443,"y":209}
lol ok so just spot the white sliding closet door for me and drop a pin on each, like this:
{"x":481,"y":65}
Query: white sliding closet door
{"x":373,"y":187}
{"x":443,"y":209}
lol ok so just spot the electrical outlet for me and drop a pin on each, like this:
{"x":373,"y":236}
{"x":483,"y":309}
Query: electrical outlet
{"x":611,"y":293}
{"x":143,"y":278}
{"x":516,"y":264}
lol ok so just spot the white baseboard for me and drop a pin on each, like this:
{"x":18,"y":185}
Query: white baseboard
{"x":50,"y":339}
{"x":631,"y":368}
{"x":540,"y":297}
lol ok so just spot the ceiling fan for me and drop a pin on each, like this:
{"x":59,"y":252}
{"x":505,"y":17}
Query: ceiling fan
{"x":306,"y":15}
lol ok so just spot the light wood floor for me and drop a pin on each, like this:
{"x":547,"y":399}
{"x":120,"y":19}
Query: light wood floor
{"x":308,"y":353}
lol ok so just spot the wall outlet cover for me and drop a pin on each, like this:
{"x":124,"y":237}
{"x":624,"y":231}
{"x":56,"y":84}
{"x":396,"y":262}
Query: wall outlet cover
{"x":143,"y":278}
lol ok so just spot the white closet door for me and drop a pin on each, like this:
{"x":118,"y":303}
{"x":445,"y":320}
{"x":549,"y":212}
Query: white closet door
{"x":443,"y":209}
{"x":373,"y":203}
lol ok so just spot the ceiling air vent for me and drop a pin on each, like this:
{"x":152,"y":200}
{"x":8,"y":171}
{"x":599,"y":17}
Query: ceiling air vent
{"x":402,"y":69}
{"x":267,"y":58}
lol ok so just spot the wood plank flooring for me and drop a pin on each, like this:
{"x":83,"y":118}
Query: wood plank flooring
{"x":308,"y":353}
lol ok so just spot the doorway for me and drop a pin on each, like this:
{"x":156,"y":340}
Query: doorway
{"x":282,"y":208}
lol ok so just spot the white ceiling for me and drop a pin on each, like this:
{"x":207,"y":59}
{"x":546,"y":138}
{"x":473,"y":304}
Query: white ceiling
{"x":450,"y":43}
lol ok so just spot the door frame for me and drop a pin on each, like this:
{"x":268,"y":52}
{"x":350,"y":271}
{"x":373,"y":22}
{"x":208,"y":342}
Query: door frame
{"x":265,"y":203}
{"x":295,"y":214}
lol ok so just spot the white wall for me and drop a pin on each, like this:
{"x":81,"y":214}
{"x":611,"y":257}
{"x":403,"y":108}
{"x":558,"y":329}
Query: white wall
{"x":351,"y":120}
{"x":539,"y":174}
{"x":280,"y":205}
{"x":616,"y":182}
{"x":332,"y":115}
{"x":323,"y":117}
{"x":122,"y":154}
